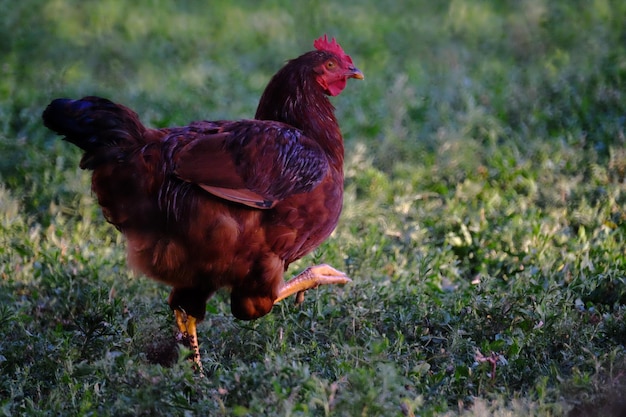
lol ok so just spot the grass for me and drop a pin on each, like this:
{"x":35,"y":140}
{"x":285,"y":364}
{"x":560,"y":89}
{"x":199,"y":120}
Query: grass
{"x":484,"y":219}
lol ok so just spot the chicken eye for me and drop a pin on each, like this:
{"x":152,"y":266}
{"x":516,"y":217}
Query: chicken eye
{"x":330,"y":64}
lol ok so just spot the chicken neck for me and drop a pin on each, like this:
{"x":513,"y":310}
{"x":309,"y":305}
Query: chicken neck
{"x":293,"y":97}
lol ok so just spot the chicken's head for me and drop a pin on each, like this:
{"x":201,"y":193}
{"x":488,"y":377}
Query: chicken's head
{"x":336,"y":66}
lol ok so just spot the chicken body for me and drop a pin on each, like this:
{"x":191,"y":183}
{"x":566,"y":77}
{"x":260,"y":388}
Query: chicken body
{"x":223,"y":203}
{"x":198,"y":237}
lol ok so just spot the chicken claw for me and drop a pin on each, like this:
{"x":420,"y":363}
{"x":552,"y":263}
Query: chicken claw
{"x":187,"y":326}
{"x":311,"y":278}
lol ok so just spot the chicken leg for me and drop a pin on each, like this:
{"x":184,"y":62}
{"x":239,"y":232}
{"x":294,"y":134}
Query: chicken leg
{"x":311,"y":278}
{"x":187,"y":326}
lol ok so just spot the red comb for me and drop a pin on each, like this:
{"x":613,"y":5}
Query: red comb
{"x":322,"y":44}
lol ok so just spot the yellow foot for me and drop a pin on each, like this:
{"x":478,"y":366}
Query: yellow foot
{"x":187,"y":326}
{"x":311,"y":278}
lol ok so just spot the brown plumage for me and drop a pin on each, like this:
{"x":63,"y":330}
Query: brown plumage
{"x":223,"y":203}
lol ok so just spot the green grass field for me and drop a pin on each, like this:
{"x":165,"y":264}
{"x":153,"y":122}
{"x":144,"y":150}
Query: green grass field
{"x":484,"y":223}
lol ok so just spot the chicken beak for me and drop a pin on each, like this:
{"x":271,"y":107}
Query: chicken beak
{"x":354,"y":72}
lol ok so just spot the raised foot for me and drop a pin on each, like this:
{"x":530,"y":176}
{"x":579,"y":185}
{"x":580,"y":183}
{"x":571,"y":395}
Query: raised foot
{"x":310,"y":278}
{"x":189,"y":334}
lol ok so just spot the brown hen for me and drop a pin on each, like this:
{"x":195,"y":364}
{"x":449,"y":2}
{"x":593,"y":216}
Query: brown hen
{"x":223,"y":203}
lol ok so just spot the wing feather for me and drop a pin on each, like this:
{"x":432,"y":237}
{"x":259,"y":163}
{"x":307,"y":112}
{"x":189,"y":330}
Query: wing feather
{"x":251,"y":162}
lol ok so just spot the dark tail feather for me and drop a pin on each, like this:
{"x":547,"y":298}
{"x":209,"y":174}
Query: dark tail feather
{"x":93,"y":123}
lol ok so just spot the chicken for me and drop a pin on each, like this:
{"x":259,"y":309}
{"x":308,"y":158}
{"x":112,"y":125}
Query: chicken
{"x":223,"y":204}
